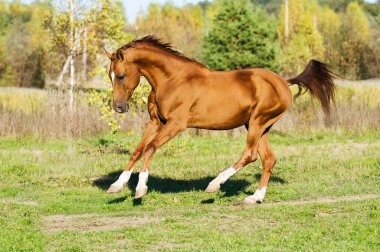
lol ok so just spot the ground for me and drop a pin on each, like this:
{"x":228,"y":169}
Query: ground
{"x":324,"y":195}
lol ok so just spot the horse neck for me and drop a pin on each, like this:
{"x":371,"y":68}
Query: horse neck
{"x":156,"y":66}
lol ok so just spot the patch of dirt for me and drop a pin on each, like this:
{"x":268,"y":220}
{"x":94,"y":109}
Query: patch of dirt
{"x":107,"y":150}
{"x":19,"y":201}
{"x":323,"y":200}
{"x":91,"y":223}
{"x":164,"y":246}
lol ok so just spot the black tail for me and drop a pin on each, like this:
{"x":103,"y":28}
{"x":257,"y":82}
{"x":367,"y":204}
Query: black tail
{"x":317,"y":78}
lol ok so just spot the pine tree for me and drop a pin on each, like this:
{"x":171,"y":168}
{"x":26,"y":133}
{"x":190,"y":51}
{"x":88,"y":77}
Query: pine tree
{"x":241,"y":36}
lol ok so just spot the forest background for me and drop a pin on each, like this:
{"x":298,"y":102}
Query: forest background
{"x":37,"y":40}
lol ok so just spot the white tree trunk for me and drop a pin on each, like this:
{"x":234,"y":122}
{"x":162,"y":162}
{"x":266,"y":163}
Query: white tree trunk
{"x":286,"y":19}
{"x":72,"y":52}
{"x":63,"y":72}
{"x":84,"y":57}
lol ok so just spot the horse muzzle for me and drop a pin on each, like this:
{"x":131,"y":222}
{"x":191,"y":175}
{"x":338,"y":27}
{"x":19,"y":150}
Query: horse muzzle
{"x":121,"y":108}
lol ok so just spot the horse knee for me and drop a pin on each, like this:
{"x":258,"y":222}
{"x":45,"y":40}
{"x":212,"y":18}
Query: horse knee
{"x":269,"y":163}
{"x":150,"y":149}
{"x":135,"y":155}
{"x":250,"y":157}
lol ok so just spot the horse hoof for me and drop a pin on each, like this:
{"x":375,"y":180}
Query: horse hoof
{"x":115,"y":189}
{"x":140,"y":192}
{"x":251,"y":200}
{"x":212,"y":187}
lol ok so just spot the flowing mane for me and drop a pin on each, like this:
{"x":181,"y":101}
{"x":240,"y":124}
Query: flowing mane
{"x":156,"y":42}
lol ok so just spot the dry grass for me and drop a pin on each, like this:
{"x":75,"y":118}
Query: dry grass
{"x":40,"y":113}
{"x":51,"y":118}
{"x":357,"y":109}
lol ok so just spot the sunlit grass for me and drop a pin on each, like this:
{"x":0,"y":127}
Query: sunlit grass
{"x":40,"y":178}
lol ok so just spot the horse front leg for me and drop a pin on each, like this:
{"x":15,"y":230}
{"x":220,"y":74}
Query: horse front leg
{"x":149,"y":133}
{"x":167,"y":132}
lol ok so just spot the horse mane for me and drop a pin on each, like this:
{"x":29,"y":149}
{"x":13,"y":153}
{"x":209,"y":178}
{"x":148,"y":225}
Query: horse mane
{"x":156,"y":42}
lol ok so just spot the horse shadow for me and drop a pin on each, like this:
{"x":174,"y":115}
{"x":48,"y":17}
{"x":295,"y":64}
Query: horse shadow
{"x":171,"y":185}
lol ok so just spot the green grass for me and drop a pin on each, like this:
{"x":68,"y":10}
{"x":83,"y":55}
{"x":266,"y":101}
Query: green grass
{"x":42,"y":178}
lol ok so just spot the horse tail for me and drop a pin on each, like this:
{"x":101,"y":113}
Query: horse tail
{"x":317,"y":79}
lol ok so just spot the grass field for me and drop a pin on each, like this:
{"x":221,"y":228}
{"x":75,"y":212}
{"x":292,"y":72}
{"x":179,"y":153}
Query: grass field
{"x":324,"y":195}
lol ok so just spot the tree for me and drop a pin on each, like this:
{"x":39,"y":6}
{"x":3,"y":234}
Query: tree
{"x":329,"y":26}
{"x":338,"y":5}
{"x":183,"y":27}
{"x":241,"y":36}
{"x":21,"y":54}
{"x":304,"y":41}
{"x":355,"y":39}
{"x":99,"y":24}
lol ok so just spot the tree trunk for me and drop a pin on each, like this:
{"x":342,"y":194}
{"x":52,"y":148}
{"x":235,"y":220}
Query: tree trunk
{"x":84,"y":57}
{"x":286,"y":19}
{"x":64,"y":70}
{"x":72,"y":51}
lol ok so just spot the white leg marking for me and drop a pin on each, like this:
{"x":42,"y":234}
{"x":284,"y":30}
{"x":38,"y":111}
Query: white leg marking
{"x":121,"y":182}
{"x":142,"y":188}
{"x":220,"y":179}
{"x":257,"y":197}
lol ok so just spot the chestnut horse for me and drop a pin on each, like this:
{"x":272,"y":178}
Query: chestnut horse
{"x":186,"y":94}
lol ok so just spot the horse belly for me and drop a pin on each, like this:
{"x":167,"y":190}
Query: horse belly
{"x":216,"y":117}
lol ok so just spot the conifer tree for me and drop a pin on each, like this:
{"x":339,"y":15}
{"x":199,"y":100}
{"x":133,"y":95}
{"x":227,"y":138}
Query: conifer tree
{"x":241,"y":36}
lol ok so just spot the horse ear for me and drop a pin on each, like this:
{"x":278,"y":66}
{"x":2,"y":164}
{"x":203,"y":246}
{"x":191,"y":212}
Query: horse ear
{"x":120,"y":55}
{"x":109,"y":55}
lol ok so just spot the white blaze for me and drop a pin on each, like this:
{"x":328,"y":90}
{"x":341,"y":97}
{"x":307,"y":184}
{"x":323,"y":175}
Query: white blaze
{"x":113,"y":76}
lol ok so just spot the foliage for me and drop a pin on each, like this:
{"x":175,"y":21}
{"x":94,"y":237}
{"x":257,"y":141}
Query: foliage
{"x":106,"y":24}
{"x":185,"y":33}
{"x":304,"y":41}
{"x":329,"y":22}
{"x":355,"y":38}
{"x":100,"y":25}
{"x":35,"y":41}
{"x":271,"y":6}
{"x":21,"y":53}
{"x":102,"y":99}
{"x":240,"y":37}
{"x":339,"y":5}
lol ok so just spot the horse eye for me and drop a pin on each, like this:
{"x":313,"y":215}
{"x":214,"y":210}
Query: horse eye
{"x":121,"y":77}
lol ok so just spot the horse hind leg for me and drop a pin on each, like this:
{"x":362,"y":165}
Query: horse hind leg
{"x":255,"y":130}
{"x":268,"y":161}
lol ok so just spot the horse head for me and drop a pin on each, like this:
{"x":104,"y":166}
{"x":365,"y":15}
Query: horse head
{"x":124,"y":78}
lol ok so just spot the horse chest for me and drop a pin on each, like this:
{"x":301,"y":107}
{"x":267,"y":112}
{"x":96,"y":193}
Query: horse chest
{"x":165,"y":105}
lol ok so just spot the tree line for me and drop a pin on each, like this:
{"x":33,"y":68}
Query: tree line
{"x":55,"y":42}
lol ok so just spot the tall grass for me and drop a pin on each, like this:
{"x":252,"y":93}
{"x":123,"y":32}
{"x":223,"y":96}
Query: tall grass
{"x":25,"y":112}
{"x":357,"y":110}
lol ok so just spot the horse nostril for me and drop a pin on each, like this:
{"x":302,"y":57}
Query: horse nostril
{"x":119,"y":108}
